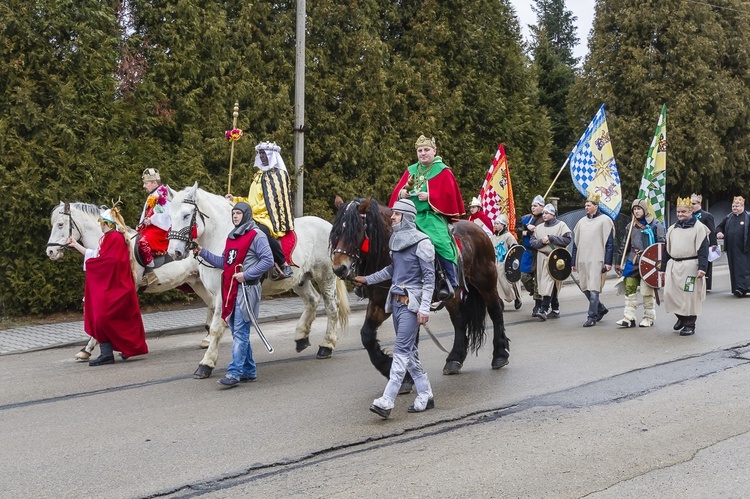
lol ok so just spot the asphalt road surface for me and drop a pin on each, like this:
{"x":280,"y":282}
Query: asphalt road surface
{"x":595,"y":412}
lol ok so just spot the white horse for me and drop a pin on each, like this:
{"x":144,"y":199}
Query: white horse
{"x":208,"y":216}
{"x":81,"y":221}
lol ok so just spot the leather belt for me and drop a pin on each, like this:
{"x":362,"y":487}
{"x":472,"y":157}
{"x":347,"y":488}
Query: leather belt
{"x":403,"y":299}
{"x":683,"y":259}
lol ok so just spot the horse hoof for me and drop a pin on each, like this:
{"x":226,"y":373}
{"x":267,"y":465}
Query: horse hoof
{"x":324,"y":353}
{"x":452,"y":367}
{"x":302,"y":344}
{"x":204,"y":344}
{"x":82,"y":356}
{"x":406,"y":387}
{"x":499,"y":362}
{"x":203,"y":372}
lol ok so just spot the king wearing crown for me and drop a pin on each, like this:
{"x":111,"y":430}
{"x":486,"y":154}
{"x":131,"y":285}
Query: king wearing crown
{"x":593,"y":252}
{"x":430,"y":184}
{"x":686,"y":261}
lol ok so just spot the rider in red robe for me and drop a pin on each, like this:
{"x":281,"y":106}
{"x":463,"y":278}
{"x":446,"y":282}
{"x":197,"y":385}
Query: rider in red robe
{"x":111,"y":313}
{"x":479,"y":217}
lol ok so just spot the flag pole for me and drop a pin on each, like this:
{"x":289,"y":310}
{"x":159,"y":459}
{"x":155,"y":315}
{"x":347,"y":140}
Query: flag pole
{"x":557,"y":176}
{"x":235,"y":113}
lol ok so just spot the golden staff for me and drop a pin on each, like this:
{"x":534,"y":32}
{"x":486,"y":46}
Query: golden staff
{"x":235,"y":113}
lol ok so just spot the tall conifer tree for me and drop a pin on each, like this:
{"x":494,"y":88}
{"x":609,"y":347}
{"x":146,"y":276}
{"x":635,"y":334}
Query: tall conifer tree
{"x":694,"y":58}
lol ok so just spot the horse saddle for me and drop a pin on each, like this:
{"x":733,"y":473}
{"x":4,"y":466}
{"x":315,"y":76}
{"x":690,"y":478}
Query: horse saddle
{"x":159,"y":257}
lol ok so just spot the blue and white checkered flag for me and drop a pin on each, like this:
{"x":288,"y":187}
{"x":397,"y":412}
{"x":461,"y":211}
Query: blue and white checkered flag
{"x":593,"y":167}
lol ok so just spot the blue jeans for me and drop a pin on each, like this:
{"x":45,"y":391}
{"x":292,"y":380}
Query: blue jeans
{"x":242,"y":365}
{"x":450,"y":270}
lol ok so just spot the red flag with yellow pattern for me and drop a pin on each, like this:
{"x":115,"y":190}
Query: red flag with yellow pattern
{"x":496,"y":194}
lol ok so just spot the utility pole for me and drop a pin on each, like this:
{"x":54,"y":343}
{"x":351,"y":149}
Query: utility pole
{"x":299,"y":107}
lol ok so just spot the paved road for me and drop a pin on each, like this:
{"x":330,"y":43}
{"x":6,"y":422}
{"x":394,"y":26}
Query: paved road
{"x":44,"y":336}
{"x":603,"y":412}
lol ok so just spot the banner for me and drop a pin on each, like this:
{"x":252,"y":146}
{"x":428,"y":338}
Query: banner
{"x":496,"y":194}
{"x":654,"y":182}
{"x":593,"y":167}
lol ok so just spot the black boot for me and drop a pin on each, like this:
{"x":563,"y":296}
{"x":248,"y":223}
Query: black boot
{"x":106,"y":356}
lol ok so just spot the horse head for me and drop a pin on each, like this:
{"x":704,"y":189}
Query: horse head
{"x":187,"y":222}
{"x":65,"y":225}
{"x":359,"y":237}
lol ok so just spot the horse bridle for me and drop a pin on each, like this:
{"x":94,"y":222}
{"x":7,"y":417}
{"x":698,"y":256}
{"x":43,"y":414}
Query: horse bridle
{"x":189,"y":233}
{"x":71,"y":224}
{"x":357,"y":256}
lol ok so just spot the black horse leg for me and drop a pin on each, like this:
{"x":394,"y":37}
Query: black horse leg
{"x":455,"y":360}
{"x":500,"y":342}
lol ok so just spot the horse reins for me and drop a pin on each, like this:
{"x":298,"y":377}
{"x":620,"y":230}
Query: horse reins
{"x":71,"y":224}
{"x":189,"y":233}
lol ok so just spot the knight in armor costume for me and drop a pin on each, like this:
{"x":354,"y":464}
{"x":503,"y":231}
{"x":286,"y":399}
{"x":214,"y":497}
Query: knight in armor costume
{"x":479,"y":217}
{"x":154,"y":223}
{"x":430,"y":184}
{"x":524,"y":231}
{"x":246,"y":246}
{"x":270,"y":199}
{"x":646,"y":231}
{"x":707,"y":219}
{"x":548,"y":236}
{"x":734,"y":231}
{"x":412,"y":274}
{"x":686,"y":261}
{"x":503,"y":240}
{"x":592,"y":255}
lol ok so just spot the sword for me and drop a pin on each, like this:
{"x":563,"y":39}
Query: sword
{"x":577,"y":283}
{"x":253,"y":318}
{"x":434,"y":338}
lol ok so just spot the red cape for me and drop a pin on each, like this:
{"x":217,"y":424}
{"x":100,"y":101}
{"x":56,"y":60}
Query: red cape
{"x":483,"y":217}
{"x":110,"y":309}
{"x":445,"y":196}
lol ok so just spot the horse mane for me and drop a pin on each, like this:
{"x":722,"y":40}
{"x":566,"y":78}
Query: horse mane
{"x":88,"y":208}
{"x":348,"y":226}
{"x":380,"y":234}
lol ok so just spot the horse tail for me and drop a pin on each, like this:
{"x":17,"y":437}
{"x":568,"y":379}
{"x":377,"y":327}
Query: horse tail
{"x":475,"y":314}
{"x":343,"y":304}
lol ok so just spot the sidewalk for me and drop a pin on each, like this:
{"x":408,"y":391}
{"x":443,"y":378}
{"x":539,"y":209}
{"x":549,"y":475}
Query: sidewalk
{"x":44,"y":336}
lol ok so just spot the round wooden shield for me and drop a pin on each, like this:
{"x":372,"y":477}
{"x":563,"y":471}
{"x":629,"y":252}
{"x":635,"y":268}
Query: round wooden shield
{"x":559,"y":264}
{"x":650,"y":265}
{"x":513,"y":263}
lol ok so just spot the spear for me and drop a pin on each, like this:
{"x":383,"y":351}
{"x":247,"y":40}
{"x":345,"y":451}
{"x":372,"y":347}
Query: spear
{"x":232,"y":139}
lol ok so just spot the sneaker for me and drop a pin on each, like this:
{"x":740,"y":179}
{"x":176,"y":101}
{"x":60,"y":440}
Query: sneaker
{"x":535,"y":312}
{"x":626,"y":322}
{"x":555,"y":314}
{"x":247,"y":379}
{"x":542,"y":316}
{"x":228,"y":382}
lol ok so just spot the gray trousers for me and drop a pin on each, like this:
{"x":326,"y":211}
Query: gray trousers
{"x":595,"y":306}
{"x":405,"y":355}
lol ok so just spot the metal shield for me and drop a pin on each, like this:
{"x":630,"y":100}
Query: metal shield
{"x":513,"y":263}
{"x":649,"y":265}
{"x":559,"y":264}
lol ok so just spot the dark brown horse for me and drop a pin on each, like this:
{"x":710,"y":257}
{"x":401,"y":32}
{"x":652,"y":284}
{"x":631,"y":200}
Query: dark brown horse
{"x":359,"y":245}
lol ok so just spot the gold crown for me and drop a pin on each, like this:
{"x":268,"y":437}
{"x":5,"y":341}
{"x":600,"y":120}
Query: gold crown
{"x":150,"y":174}
{"x":423,"y":141}
{"x":738,"y":199}
{"x":593,"y":197}
{"x":683,"y":202}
